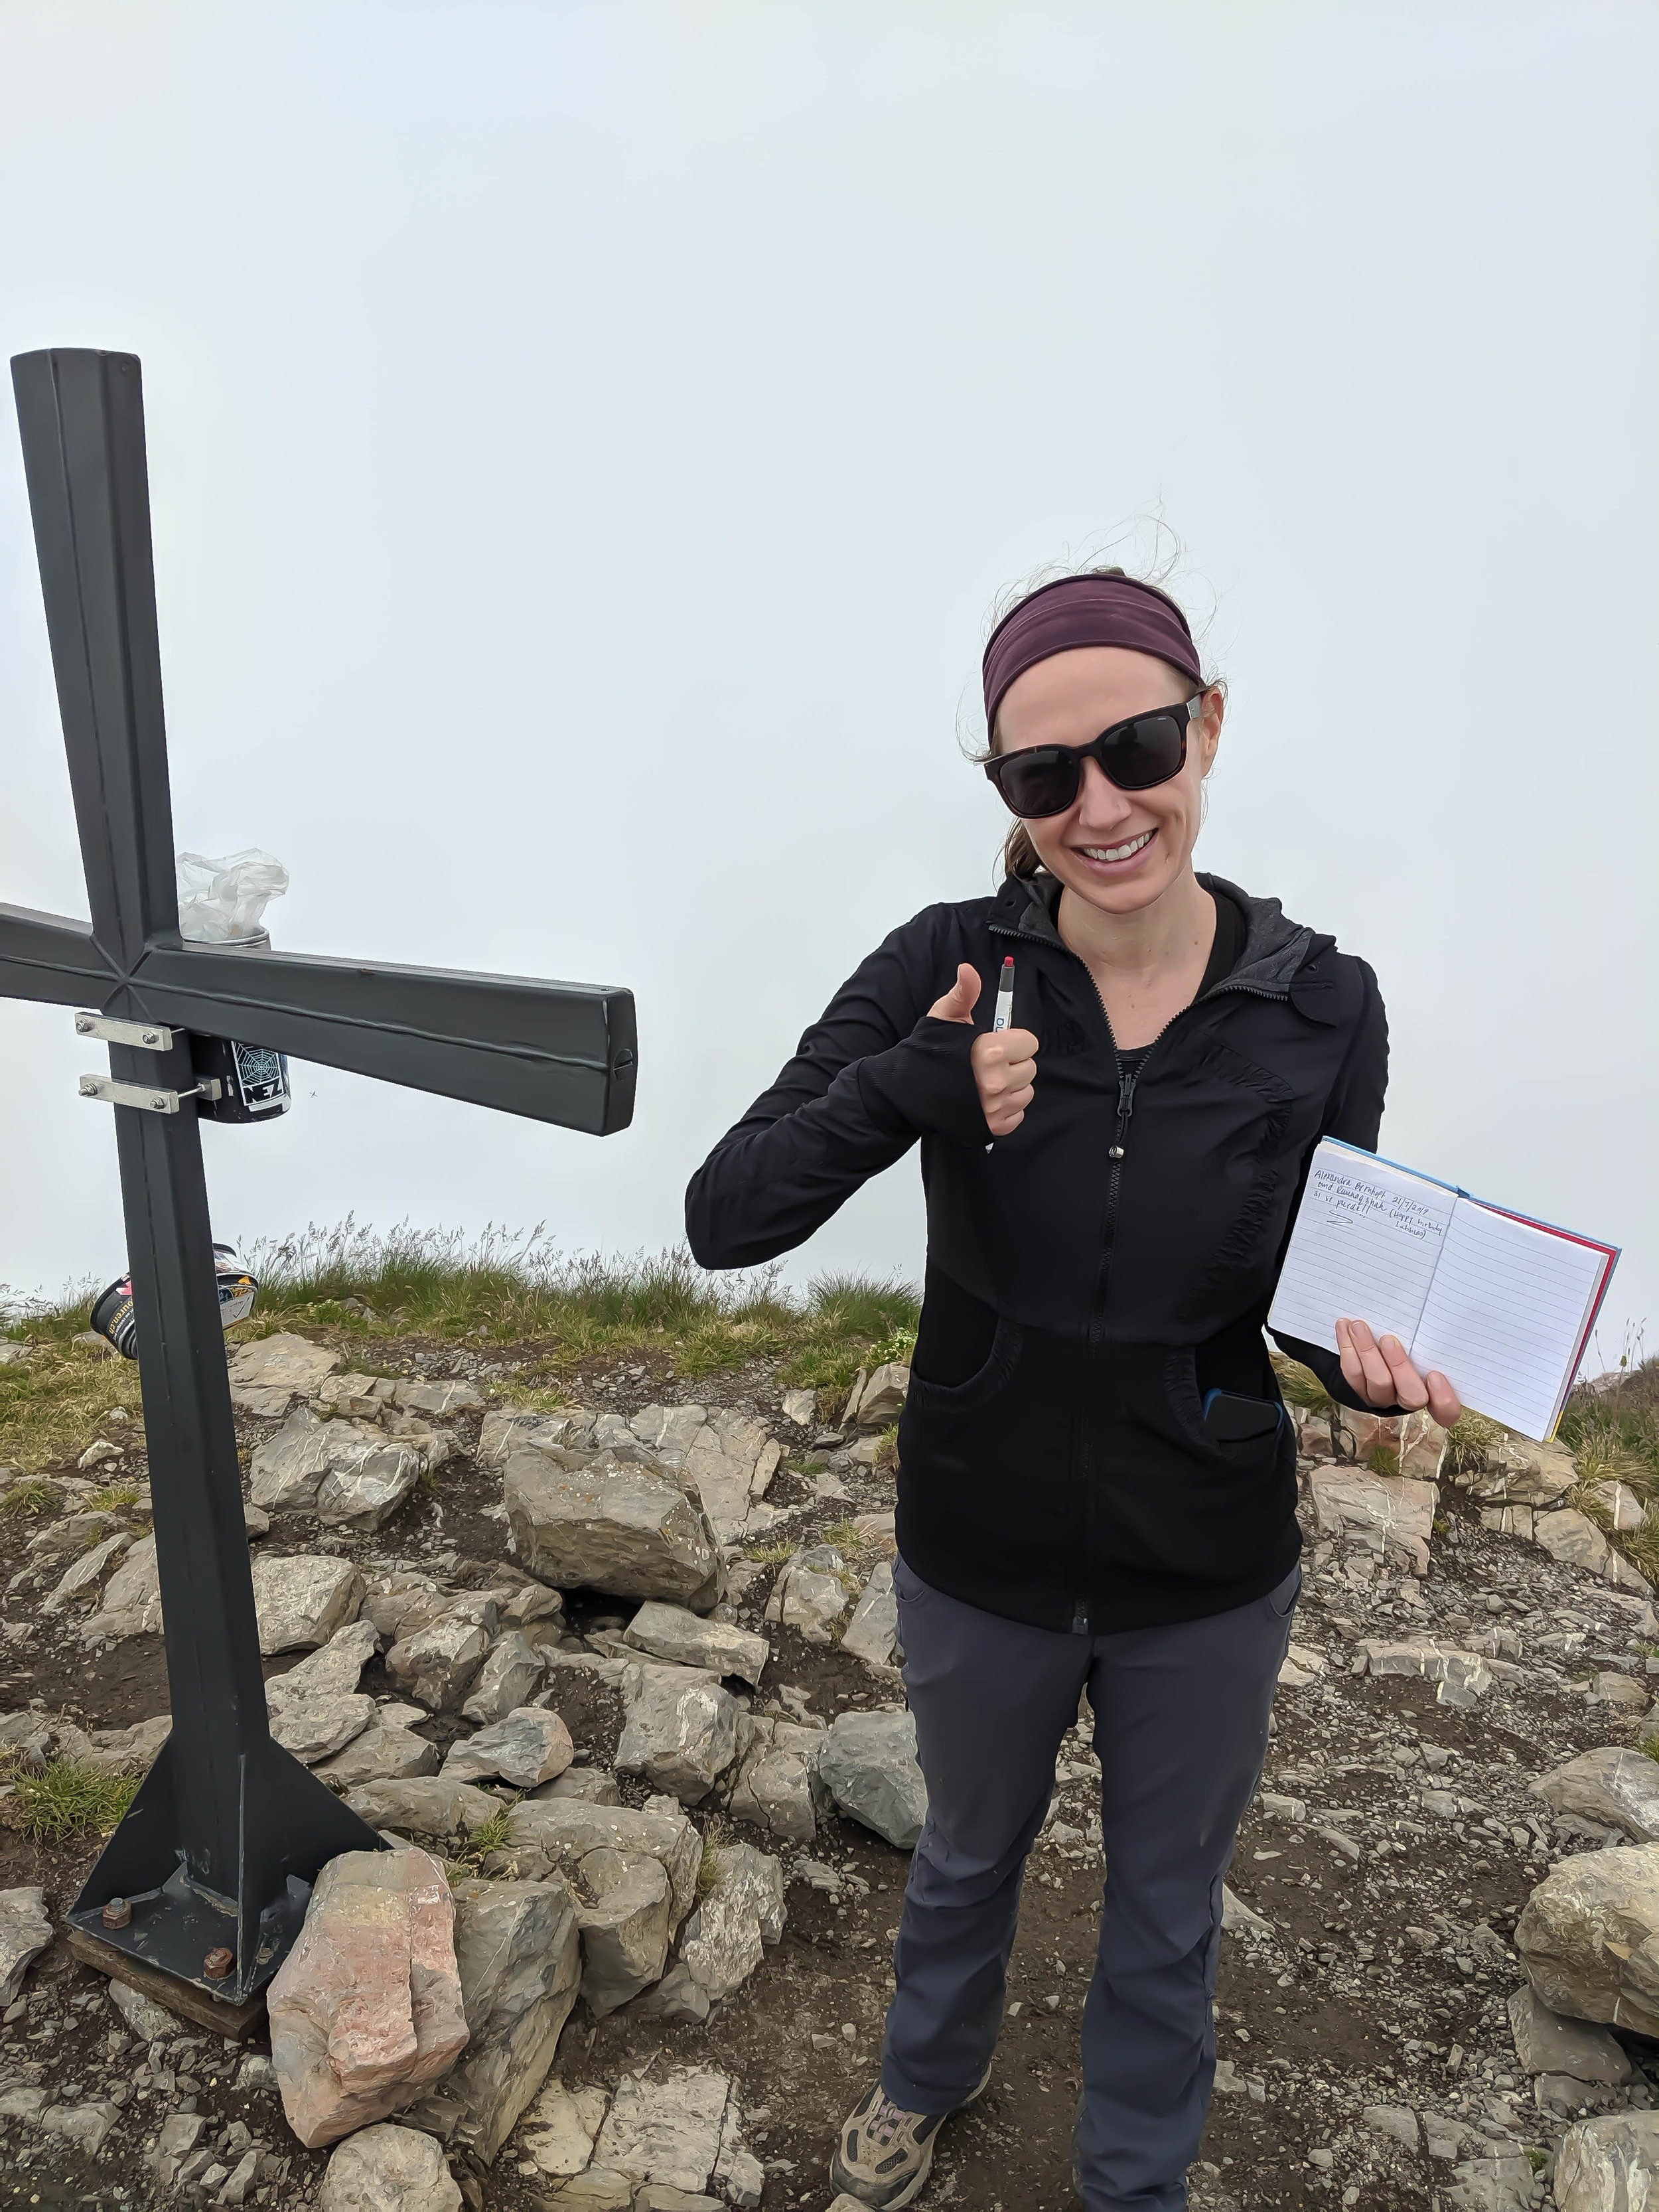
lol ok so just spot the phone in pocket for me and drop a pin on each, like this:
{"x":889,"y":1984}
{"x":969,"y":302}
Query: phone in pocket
{"x":1235,"y":1421}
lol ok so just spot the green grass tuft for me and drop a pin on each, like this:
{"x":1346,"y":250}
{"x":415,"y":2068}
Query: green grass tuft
{"x":32,"y":1495}
{"x":115,"y":1499}
{"x":67,"y":1799}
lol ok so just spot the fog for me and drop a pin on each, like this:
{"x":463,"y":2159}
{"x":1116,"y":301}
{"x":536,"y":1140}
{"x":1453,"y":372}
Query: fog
{"x":585,"y":443}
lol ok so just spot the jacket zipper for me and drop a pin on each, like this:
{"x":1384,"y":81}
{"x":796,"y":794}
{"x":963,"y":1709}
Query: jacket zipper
{"x":1116,"y":1153}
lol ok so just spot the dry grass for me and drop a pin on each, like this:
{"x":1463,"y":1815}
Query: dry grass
{"x":53,"y":1405}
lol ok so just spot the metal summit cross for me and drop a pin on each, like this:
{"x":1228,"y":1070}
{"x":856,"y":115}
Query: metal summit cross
{"x":226,"y":1830}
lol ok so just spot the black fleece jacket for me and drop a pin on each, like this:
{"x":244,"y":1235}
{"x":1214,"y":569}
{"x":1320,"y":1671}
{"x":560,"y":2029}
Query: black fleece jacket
{"x":1091,"y":1276}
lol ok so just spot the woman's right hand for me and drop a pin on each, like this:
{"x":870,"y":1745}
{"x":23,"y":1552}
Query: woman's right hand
{"x":1004,"y":1060}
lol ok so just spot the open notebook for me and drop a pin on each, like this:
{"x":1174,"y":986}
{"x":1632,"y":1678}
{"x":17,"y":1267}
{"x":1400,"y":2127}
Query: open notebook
{"x":1502,"y":1306}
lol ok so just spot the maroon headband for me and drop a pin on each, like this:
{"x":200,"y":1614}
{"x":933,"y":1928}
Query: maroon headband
{"x":1085,"y":610}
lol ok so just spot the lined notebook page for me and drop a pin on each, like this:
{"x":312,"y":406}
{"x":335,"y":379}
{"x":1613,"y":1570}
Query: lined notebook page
{"x":1503,"y":1317}
{"x":1365,"y":1245}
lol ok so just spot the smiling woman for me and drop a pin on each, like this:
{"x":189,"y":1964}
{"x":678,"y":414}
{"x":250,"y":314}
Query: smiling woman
{"x":1097,"y":1482}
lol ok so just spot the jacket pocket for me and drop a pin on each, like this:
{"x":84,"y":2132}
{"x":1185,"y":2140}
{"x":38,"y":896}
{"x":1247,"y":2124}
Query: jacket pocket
{"x":1176,"y":1499}
{"x":987,"y":1381}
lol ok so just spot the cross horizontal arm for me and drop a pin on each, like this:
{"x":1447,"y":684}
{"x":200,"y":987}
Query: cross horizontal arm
{"x":43,"y":956}
{"x":555,"y":1052}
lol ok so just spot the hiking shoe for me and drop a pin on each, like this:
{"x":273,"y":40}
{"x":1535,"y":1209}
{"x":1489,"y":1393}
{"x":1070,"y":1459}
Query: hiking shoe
{"x":884,"y":2152}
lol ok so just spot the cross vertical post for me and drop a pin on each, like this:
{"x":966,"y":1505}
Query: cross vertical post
{"x":226,"y":1832}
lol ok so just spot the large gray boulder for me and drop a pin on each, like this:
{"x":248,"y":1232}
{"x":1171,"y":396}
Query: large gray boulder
{"x":1588,"y":1937}
{"x":773,"y":1787}
{"x":132,"y":1601}
{"x":810,"y":1593}
{"x":432,"y":1806}
{"x":873,"y":1629}
{"x":867,"y":1763}
{"x":530,"y":1747}
{"x":438,"y":1662}
{"x":627,"y":1922}
{"x":681,"y":1730}
{"x":24,"y":1932}
{"x":1546,"y":2042}
{"x":555,"y":1835}
{"x":1615,"y":1789}
{"x":388,"y":2169}
{"x":348,"y":1472}
{"x":266,"y":1376}
{"x":301,"y":1600}
{"x":519,"y":1953}
{"x":666,"y":2130}
{"x":1609,"y":2164}
{"x":612,"y":1520}
{"x":386,"y":1751}
{"x":316,"y":1708}
{"x":509,"y":1678}
{"x":741,"y":1912}
{"x":728,"y":1458}
{"x":672,"y":1633}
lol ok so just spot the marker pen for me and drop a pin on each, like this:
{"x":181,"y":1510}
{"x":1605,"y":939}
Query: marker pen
{"x":1005,"y":1012}
{"x":1005,"y":1007}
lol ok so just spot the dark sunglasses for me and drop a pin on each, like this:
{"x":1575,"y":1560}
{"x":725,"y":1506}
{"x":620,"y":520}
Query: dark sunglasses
{"x":1147,"y":749}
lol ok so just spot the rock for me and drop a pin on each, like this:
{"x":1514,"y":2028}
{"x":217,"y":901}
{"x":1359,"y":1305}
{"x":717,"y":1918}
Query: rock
{"x":882,"y":1399}
{"x":730,"y":1458}
{"x":418,"y":1395}
{"x":678,"y":1995}
{"x":666,"y":2130}
{"x":393,"y":1598}
{"x":721,"y":1944}
{"x":1509,"y":1520}
{"x":266,"y":1376}
{"x":681,"y":1731}
{"x":773,"y":1782}
{"x":435,"y":1806}
{"x":509,"y":1679}
{"x":388,"y":2169}
{"x":868,"y":1764}
{"x":1520,"y":1472}
{"x":1391,"y":1515}
{"x":131,"y":1603}
{"x":1610,"y":1687}
{"x":385,"y":1752}
{"x":592,"y":1784}
{"x":335,"y":1669}
{"x":1609,"y":2164}
{"x":657,"y":2196}
{"x":520,"y":1955}
{"x":873,"y":1629}
{"x":243,"y":2176}
{"x":808,"y":1593}
{"x":149,"y":2021}
{"x":598,"y":2190}
{"x":1397,"y":2121}
{"x":1623,"y":1508}
{"x":557,"y":1833}
{"x":801,"y":1407}
{"x":25,"y":1933}
{"x":1613,"y":1788}
{"x":1237,"y":1918}
{"x":609,"y":1523}
{"x":86,"y":2126}
{"x":529,"y":1747}
{"x":12,"y":1353}
{"x":669,"y":1632}
{"x":738,"y":2175}
{"x":1546,"y":2042}
{"x":560,"y":2127}
{"x":1501,"y":2182}
{"x":366,"y":2010}
{"x":1462,"y":1676}
{"x":315,"y":1728}
{"x":627,"y":1925}
{"x":1574,"y":1540}
{"x":347,"y":1472}
{"x":1588,"y":1937}
{"x":440,"y":1661}
{"x":88,"y":1571}
{"x":301,"y":1600}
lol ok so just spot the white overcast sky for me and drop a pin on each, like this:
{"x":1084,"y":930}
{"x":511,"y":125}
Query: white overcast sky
{"x":586,"y":441}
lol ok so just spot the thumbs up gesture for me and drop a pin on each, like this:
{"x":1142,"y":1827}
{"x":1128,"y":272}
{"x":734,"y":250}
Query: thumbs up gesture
{"x":1004,"y":1060}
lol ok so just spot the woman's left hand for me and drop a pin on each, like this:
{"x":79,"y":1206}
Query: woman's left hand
{"x":1380,"y":1370}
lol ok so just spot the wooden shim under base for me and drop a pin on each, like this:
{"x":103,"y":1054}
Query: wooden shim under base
{"x":241,"y":2022}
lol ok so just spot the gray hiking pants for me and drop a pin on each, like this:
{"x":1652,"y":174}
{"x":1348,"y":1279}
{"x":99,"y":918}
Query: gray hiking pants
{"x":1181,"y":1729}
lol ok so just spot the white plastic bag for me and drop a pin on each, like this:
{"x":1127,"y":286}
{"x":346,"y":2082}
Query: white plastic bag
{"x":222,"y":902}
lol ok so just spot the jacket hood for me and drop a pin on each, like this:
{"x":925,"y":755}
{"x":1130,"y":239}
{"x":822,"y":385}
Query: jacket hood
{"x":1276,"y":949}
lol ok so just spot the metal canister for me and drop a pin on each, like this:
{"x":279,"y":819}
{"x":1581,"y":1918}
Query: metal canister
{"x":112,"y":1314}
{"x":253,"y":1081}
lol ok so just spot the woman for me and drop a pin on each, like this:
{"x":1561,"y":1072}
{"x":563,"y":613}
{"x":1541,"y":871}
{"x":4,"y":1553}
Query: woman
{"x":1111,"y":1184}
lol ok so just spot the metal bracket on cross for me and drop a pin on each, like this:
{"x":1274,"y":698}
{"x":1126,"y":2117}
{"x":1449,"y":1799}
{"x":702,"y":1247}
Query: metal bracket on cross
{"x":207,"y":1877}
